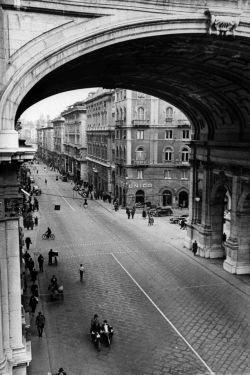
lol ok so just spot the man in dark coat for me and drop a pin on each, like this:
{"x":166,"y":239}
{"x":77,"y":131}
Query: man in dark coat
{"x":28,"y":242}
{"x":26,"y":258}
{"x":33,"y":303}
{"x":195,"y":247}
{"x":34,"y":289}
{"x":40,"y":323}
{"x":40,"y":262}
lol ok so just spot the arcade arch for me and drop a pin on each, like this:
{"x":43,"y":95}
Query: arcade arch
{"x":204,"y":91}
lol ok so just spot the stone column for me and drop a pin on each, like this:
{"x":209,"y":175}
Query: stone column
{"x":14,"y":283}
{"x":189,"y":237}
{"x":231,"y":244}
{"x":3,"y":358}
{"x":205,"y":225}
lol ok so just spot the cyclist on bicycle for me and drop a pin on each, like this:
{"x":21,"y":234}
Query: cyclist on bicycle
{"x":48,"y":232}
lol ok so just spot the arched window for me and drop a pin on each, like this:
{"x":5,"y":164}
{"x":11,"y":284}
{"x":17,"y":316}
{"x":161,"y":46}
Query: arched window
{"x":117,"y":115}
{"x":125,"y":114}
{"x":140,"y":153}
{"x":168,"y":154}
{"x":140,"y":113}
{"x":169,"y":112}
{"x":184,"y":154}
{"x":117,"y":151}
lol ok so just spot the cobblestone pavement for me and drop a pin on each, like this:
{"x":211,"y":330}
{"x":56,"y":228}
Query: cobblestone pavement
{"x":172,"y":313}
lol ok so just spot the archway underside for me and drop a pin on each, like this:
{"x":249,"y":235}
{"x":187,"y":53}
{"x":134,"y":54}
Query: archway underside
{"x":206,"y":77}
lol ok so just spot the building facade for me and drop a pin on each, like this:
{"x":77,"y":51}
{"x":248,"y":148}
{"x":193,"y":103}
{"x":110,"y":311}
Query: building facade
{"x":75,"y":142}
{"x":59,"y":136}
{"x":100,"y":108}
{"x":152,"y":151}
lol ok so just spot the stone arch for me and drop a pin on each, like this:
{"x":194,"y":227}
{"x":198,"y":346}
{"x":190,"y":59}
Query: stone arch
{"x":243,"y":224}
{"x":29,"y":71}
{"x":140,"y":196}
{"x":217,"y":206}
{"x":183,"y":197}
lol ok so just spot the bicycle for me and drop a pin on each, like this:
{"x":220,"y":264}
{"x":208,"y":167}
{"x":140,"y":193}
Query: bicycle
{"x":46,"y":237}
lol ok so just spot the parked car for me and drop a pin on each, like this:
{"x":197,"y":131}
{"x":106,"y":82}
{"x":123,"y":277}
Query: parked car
{"x":178,"y":219}
{"x":161,"y":211}
{"x":32,"y":180}
{"x":37,"y":190}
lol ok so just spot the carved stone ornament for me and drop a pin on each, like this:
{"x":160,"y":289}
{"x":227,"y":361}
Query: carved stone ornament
{"x":223,"y":23}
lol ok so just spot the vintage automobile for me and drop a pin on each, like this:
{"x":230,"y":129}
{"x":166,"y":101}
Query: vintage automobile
{"x":161,"y":211}
{"x":37,"y":190}
{"x":178,"y":219}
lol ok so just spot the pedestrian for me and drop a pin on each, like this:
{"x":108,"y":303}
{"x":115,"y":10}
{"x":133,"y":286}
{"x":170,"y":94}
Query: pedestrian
{"x":40,"y":323}
{"x":195,"y":247}
{"x":25,"y":286}
{"x":50,"y":254}
{"x":61,"y":371}
{"x":81,"y":271}
{"x":40,"y":262}
{"x":133,"y":212}
{"x":36,"y":221}
{"x":182,"y":224}
{"x":31,"y":264}
{"x":128,"y":213}
{"x":144,"y":214}
{"x":34,"y":289}
{"x":33,"y":275}
{"x":46,"y":181}
{"x":28,"y":242}
{"x":37,"y":171}
{"x":26,"y":258}
{"x":33,"y":303}
{"x":224,"y":237}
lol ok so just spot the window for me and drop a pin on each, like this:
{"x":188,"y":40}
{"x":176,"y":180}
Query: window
{"x":124,"y":135}
{"x":169,"y":112}
{"x":120,"y":113}
{"x":167,"y":174}
{"x":184,"y":154}
{"x":169,"y":134}
{"x":140,"y":153}
{"x":139,"y":173}
{"x":184,"y":175}
{"x":124,"y":94}
{"x":185,"y":134}
{"x":168,"y":154}
{"x":140,"y":134}
{"x":140,"y":113}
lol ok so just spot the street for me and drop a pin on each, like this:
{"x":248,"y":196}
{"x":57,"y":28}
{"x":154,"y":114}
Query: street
{"x":171,"y":313}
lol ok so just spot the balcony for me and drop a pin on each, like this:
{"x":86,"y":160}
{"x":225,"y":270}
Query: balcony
{"x":119,"y":123}
{"x":140,"y":122}
{"x":140,"y":163}
{"x":169,"y":118}
{"x":180,"y":163}
{"x":120,"y":161}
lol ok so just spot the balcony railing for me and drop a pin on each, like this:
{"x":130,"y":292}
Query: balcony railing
{"x":140,"y":122}
{"x":180,"y":163}
{"x":119,"y":122}
{"x":120,"y":160}
{"x":140,"y":163}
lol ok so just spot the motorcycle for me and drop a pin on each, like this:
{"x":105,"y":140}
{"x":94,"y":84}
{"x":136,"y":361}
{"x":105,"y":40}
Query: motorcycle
{"x":96,"y":339}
